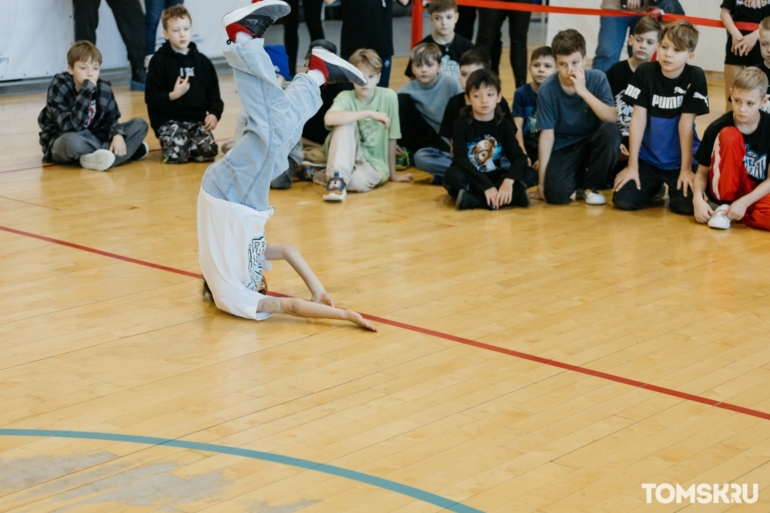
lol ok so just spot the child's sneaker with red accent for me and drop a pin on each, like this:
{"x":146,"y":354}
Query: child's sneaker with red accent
{"x":335,"y":69}
{"x":254,"y":19}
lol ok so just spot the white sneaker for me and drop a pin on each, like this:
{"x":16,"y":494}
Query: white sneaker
{"x":594,"y":197}
{"x":147,"y":59}
{"x":100,"y":160}
{"x":719,"y":220}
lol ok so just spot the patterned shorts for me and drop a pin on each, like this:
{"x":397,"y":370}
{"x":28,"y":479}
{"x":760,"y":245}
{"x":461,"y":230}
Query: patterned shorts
{"x":183,"y":141}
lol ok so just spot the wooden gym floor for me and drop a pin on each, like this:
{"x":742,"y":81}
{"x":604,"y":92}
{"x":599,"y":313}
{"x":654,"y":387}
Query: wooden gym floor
{"x":552,"y":359}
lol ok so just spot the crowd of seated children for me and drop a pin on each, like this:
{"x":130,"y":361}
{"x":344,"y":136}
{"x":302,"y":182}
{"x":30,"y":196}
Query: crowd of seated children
{"x":79,"y":123}
{"x":481,"y":139}
{"x":422,"y":101}
{"x":364,"y":124}
{"x":542,"y":65}
{"x":443,"y":16}
{"x":435,"y":160}
{"x":182,"y":93}
{"x":667,"y":95}
{"x":644,"y":44}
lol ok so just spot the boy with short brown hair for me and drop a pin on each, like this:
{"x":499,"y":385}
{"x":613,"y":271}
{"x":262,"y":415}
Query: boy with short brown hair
{"x":80,"y":120}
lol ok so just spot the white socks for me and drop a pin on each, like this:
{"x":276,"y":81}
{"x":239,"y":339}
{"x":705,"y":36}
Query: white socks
{"x":317,"y":77}
{"x":242,"y":38}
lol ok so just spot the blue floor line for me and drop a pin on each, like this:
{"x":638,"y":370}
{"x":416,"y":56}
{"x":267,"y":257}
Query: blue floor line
{"x":379,"y":482}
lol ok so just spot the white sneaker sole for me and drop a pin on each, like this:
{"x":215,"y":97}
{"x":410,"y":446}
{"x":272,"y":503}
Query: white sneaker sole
{"x":333,"y":196}
{"x":100,"y":160}
{"x":719,"y":221}
{"x":327,"y":56}
{"x":239,"y":14}
{"x":595,"y":199}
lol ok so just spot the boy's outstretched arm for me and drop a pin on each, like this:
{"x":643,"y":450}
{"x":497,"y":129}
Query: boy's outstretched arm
{"x":686,"y":176}
{"x":635,"y":137}
{"x":289,"y":253}
{"x":301,"y":308}
{"x":544,"y":149}
{"x":727,"y":20}
{"x":703,"y":211}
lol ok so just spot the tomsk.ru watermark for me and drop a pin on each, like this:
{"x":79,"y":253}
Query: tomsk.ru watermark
{"x":702,"y":493}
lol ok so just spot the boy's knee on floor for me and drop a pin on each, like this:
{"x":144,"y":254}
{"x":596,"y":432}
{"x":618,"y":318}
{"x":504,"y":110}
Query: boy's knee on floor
{"x":627,"y":200}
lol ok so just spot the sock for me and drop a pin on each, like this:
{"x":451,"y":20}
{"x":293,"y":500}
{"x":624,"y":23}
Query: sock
{"x":242,"y":38}
{"x":317,"y":76}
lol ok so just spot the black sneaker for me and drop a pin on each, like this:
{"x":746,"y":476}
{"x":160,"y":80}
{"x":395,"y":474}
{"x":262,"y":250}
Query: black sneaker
{"x":254,"y":19}
{"x":520,"y":196}
{"x":466,"y":201}
{"x":140,"y":152}
{"x":335,"y":69}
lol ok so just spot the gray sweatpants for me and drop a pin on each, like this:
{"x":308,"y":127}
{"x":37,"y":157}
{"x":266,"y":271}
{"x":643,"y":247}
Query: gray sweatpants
{"x":69,"y":147}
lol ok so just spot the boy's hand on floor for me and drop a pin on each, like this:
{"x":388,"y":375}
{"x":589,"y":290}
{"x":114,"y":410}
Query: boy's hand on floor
{"x":625,"y":176}
{"x":505,"y":193}
{"x":737,"y":210}
{"x":703,"y":211}
{"x":538,"y":194}
{"x":406,"y":177}
{"x":210,"y":123}
{"x":380,"y":117}
{"x":491,"y":195}
{"x":118,"y":146}
{"x":685,"y":181}
{"x":181,"y":86}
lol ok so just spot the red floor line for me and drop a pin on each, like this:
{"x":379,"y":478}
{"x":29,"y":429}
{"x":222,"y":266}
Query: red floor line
{"x":29,"y":203}
{"x":41,"y":166}
{"x":446,"y":336}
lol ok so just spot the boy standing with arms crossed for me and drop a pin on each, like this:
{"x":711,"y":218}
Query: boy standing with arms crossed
{"x":732,"y":159}
{"x":667,"y":95}
{"x":579,"y":136}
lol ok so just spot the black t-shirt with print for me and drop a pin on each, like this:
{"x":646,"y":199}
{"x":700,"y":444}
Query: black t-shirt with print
{"x":619,"y":76}
{"x":451,"y":52}
{"x":478,"y":148}
{"x":757,"y":145}
{"x":666,"y":99}
{"x":452,"y":111}
{"x":740,"y":12}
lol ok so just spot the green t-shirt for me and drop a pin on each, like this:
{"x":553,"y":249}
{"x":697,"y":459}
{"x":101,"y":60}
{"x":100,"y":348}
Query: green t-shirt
{"x":373,"y":135}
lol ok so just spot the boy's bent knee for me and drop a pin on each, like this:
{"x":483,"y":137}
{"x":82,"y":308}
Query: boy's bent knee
{"x":627,"y":201}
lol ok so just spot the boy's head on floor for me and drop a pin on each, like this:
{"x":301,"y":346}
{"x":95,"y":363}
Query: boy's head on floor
{"x":542,"y":65}
{"x":483,"y":92}
{"x":644,"y":41}
{"x":177,"y":27}
{"x":472,"y":60}
{"x":749,"y":95}
{"x":569,"y":52}
{"x":677,"y":46}
{"x":370,"y":64}
{"x":443,"y":15}
{"x":84,"y":61}
{"x":426,"y":63}
{"x":764,"y":40}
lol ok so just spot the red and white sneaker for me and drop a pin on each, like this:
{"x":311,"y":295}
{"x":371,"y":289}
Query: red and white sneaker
{"x":335,"y":69}
{"x":254,"y":19}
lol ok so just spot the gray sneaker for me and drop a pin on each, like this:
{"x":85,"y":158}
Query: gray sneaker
{"x":100,"y":160}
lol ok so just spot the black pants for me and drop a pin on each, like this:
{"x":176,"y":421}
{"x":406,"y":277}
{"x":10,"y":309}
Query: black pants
{"x":652,"y":178}
{"x":457,"y":179}
{"x":312,"y":9}
{"x":490,"y":22}
{"x":416,"y":133}
{"x":586,"y":163}
{"x":466,"y":21}
{"x":129,"y":18}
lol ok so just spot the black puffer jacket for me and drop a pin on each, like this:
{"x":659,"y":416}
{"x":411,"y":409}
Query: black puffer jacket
{"x":202,"y":98}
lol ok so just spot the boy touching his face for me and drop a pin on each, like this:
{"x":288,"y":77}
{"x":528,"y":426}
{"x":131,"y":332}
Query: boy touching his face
{"x":182,"y":93}
{"x":732,"y":159}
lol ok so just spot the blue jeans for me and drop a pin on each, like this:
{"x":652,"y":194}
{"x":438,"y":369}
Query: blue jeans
{"x":276,"y":119}
{"x":613,"y":34}
{"x":433,"y":160}
{"x":153,"y":11}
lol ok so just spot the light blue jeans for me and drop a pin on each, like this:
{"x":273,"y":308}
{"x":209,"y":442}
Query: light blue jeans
{"x":613,"y":34}
{"x":276,"y":119}
{"x":433,"y":160}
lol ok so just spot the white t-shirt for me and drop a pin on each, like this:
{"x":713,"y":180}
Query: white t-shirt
{"x":231,"y":249}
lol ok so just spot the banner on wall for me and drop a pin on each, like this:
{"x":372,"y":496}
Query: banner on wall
{"x":42,"y":52}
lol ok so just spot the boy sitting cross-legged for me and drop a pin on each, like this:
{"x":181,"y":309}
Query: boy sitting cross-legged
{"x":361,"y":149}
{"x":421,"y":102}
{"x":182,"y":93}
{"x":434,"y":160}
{"x":478,"y":176}
{"x":667,"y":95}
{"x":443,"y":16}
{"x":732,"y":159}
{"x":79,"y":123}
{"x":542,"y":65}
{"x":644,"y":43}
{"x":579,"y":136}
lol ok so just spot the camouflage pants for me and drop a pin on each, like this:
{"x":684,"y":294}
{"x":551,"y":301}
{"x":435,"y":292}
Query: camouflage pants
{"x":183,"y":141}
